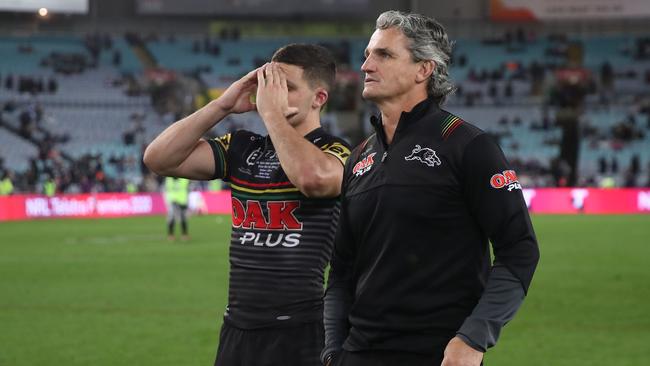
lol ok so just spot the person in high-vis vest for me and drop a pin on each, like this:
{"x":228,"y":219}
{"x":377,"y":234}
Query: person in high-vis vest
{"x":6,"y":186}
{"x":177,"y":196}
{"x":131,"y":187}
{"x":49,"y":187}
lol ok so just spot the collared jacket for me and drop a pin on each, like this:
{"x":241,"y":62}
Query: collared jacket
{"x":411,"y":258}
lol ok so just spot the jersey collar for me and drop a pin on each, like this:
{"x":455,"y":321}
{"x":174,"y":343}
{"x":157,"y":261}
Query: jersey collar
{"x":311,"y":135}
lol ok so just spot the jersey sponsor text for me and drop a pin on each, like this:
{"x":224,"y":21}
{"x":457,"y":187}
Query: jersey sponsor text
{"x":364,"y":165}
{"x":280,"y":215}
{"x":506,"y":178}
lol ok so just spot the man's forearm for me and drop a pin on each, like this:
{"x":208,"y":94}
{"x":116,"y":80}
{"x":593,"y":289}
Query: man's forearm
{"x":314,"y":172}
{"x":178,"y":141}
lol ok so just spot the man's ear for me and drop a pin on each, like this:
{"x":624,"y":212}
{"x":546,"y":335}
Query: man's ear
{"x":425,"y":71}
{"x":320,"y":98}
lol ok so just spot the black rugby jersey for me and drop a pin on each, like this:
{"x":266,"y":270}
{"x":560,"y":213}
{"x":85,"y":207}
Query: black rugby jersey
{"x":281,"y":240}
{"x":411,"y":257}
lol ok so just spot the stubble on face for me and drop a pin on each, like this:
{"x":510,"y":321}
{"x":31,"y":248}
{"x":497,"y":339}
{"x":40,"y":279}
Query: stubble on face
{"x":389,"y":68}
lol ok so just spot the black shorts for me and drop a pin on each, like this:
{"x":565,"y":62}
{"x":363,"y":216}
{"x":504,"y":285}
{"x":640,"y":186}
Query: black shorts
{"x":291,"y":346}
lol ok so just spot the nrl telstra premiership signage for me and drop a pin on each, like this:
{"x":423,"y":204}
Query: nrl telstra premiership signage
{"x":540,"y":10}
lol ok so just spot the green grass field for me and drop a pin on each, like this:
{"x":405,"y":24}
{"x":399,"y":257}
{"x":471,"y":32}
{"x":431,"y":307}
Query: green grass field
{"x":116,"y":292}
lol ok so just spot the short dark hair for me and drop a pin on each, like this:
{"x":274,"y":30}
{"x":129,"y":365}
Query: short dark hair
{"x":317,"y":63}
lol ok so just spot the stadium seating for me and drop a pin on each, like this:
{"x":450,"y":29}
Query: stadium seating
{"x":94,"y":111}
{"x":15,"y":151}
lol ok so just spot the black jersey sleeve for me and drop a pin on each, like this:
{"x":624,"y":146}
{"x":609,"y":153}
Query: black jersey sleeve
{"x":336,"y":147}
{"x":340,"y":285}
{"x":496,"y":201}
{"x":220,"y":147}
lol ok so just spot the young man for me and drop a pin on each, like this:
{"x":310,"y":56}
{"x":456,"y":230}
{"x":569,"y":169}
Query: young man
{"x":411,"y":281}
{"x":284,"y":198}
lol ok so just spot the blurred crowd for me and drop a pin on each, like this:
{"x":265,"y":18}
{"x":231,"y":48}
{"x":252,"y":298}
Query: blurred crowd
{"x":53,"y":171}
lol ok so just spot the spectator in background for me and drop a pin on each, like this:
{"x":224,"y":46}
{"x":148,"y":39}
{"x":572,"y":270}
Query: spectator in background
{"x":117,"y":58}
{"x":52,"y":85}
{"x":49,"y":186}
{"x":602,"y":165}
{"x":607,"y":75}
{"x":9,"y":82}
{"x":177,"y":191}
{"x":635,"y":164}
{"x":508,"y":90}
{"x":614,"y":165}
{"x":6,"y":184}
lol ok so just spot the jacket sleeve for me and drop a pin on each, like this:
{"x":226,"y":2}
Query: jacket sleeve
{"x":499,"y":303}
{"x":495,"y":199}
{"x":340,"y":285}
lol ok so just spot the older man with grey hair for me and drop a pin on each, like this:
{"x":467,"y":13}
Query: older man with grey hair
{"x":411,"y":280}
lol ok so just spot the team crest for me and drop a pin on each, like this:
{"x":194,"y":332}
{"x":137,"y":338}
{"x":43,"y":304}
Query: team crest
{"x":424,"y":155}
{"x":364,"y":165}
{"x":253,"y":156}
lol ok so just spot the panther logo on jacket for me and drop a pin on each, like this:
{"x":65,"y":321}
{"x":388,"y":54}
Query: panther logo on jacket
{"x":424,"y":155}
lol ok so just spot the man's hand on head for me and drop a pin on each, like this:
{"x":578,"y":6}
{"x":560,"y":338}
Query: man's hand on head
{"x":272,"y":92}
{"x":237,"y":98}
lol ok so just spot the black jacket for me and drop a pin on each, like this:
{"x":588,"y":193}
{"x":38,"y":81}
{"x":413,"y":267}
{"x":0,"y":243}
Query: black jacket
{"x":411,"y":257}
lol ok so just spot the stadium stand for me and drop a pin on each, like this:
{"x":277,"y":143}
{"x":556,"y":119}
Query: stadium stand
{"x":93,"y":96}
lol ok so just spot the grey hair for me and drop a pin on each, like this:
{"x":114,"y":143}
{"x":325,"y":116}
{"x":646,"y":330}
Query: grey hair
{"x":427,"y":41}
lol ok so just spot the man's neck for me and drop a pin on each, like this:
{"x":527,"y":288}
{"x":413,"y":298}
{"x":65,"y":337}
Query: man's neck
{"x":391,"y":111}
{"x":309,"y":124}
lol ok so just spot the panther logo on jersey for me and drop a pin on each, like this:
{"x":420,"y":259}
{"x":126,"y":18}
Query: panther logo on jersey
{"x":424,"y":155}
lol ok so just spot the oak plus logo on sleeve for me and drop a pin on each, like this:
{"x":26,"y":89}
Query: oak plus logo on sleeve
{"x":507,"y":178}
